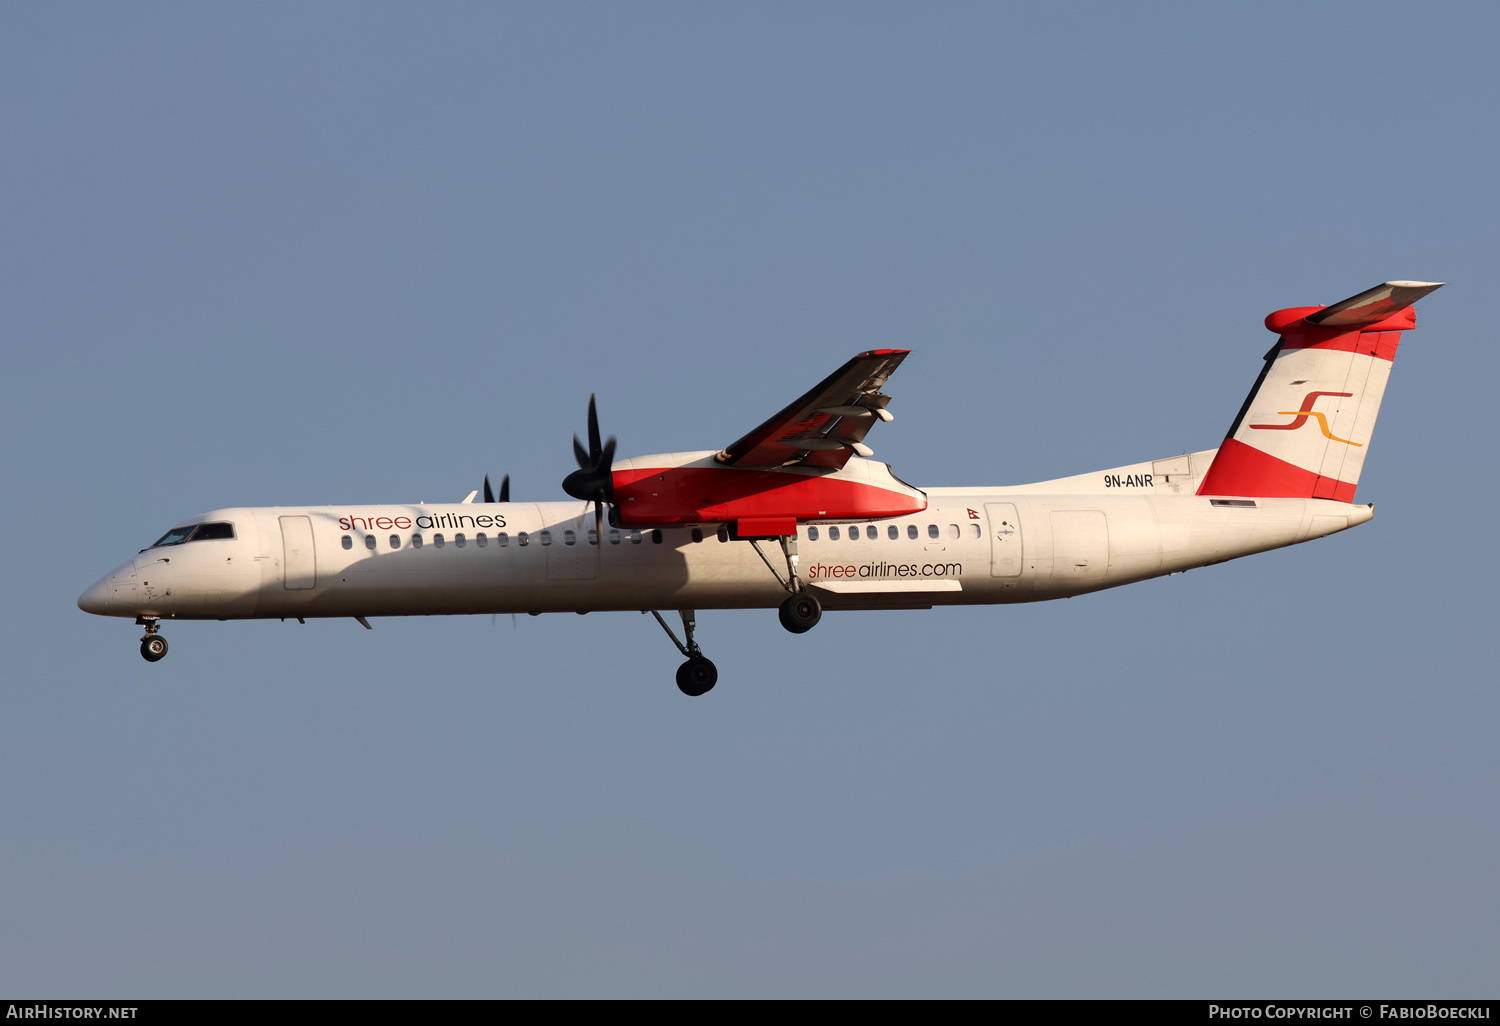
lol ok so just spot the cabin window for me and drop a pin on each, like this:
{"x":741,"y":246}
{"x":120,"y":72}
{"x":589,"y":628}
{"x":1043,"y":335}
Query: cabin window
{"x":370,"y":542}
{"x":502,"y":539}
{"x":460,"y":540}
{"x":974,"y":531}
{"x":416,"y":541}
{"x":569,"y":538}
{"x":395,"y":541}
{"x":911,"y":531}
{"x":348,"y":542}
{"x":481,"y":540}
{"x":545,"y":537}
{"x":697,"y":535}
{"x":635,"y":537}
{"x":723,"y":534}
{"x":952,"y":530}
{"x":854,"y":533}
{"x":593,"y":537}
{"x":656,"y":537}
{"x":932,"y":531}
{"x":614,"y":536}
{"x":812,"y":534}
{"x":523,"y":539}
{"x":211,"y":532}
{"x":892,"y":532}
{"x":870,"y":532}
{"x":437,"y":541}
{"x":833,"y":534}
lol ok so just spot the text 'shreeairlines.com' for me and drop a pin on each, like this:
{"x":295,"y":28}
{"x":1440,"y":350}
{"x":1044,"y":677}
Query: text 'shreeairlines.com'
{"x":820,"y":571}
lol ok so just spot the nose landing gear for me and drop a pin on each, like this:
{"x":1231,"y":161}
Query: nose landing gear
{"x":153,"y":645}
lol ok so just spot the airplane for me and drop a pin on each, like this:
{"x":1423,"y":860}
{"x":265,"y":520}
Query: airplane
{"x":797,"y":516}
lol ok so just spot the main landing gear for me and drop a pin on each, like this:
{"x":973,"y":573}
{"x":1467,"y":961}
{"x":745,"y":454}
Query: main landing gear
{"x":698,"y":675}
{"x":799,"y":614}
{"x":153,"y":645}
{"x":801,"y":611}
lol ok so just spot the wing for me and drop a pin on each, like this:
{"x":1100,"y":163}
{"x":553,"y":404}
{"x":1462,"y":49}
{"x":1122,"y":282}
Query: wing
{"x":828,"y":424}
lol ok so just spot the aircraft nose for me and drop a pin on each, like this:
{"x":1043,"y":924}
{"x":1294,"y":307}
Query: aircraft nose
{"x":96,"y":599}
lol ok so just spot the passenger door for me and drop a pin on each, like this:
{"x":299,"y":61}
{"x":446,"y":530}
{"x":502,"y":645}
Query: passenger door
{"x":1005,"y":539}
{"x":299,"y":557}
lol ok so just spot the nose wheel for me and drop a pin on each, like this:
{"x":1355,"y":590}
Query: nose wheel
{"x":153,"y":645}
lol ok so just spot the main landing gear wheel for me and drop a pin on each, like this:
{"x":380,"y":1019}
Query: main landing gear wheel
{"x":153,"y":647}
{"x":697,"y":676}
{"x":800,"y":613}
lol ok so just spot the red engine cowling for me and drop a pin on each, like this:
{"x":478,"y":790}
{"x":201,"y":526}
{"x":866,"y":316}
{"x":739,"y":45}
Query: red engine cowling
{"x":693,"y":488}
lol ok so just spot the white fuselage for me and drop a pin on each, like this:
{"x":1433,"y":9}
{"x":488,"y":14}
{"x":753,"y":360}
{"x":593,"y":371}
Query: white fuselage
{"x":970,"y":546}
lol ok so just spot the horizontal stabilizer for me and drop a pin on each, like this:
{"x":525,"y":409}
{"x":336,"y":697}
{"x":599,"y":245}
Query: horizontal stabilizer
{"x":1373,"y":305}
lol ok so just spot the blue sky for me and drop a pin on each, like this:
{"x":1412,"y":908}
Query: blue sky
{"x":309,"y":253}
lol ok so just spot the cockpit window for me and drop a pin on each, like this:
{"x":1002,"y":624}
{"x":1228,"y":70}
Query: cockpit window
{"x":176,"y":536}
{"x":194,"y":532}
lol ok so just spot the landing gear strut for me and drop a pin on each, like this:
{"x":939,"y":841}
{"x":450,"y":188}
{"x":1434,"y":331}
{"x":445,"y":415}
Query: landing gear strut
{"x":153,"y":645}
{"x":698,"y":675}
{"x":801,"y":611}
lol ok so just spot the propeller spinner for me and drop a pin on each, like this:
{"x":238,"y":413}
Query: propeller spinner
{"x":593,"y":481}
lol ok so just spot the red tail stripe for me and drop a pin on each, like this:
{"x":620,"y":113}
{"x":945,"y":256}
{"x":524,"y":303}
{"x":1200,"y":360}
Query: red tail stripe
{"x":1379,"y":344}
{"x":1241,"y":469}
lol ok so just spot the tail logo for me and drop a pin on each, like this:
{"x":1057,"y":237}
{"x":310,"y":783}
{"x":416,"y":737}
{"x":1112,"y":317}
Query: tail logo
{"x":1300,"y":417}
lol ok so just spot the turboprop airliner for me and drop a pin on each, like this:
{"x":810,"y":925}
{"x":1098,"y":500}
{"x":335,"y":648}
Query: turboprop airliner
{"x":797,"y":516}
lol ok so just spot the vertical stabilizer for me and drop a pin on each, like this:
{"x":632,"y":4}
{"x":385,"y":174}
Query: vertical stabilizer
{"x":1305,"y":428}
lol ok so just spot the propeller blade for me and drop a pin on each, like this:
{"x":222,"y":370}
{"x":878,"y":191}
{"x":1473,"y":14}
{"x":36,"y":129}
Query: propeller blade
{"x":489,"y":496}
{"x":593,"y":481}
{"x":505,"y":488}
{"x":606,"y":478}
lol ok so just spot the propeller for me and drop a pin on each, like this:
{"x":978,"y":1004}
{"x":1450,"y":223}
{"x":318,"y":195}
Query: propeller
{"x":592,"y":481}
{"x":489,"y":496}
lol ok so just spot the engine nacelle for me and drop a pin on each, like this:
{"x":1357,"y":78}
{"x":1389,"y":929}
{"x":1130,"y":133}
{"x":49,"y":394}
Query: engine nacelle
{"x":694,"y":488}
